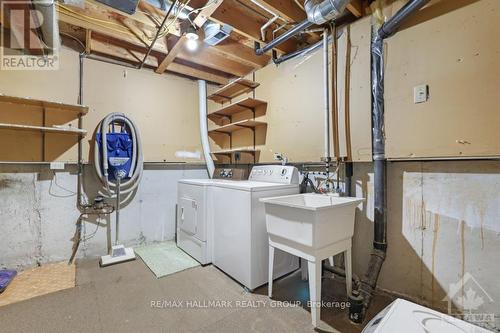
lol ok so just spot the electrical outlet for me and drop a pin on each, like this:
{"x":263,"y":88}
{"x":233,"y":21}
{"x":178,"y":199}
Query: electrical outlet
{"x":421,"y":94}
{"x":56,"y":165}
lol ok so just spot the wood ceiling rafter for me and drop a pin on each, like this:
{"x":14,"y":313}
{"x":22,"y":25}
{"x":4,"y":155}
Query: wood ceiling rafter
{"x":286,"y":9}
{"x":134,"y":56}
{"x":245,"y":22}
{"x":206,"y":12}
{"x":173,"y":50}
{"x":117,"y":30}
{"x":356,"y":7}
{"x":177,"y":49}
{"x":124,"y":36}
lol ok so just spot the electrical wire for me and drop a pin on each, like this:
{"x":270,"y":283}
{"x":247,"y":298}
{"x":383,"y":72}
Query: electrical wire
{"x":166,"y":29}
{"x":54,"y":181}
{"x":123,"y":29}
{"x":75,"y":39}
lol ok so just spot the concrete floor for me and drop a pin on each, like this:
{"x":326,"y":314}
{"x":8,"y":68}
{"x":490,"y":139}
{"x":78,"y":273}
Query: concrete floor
{"x":118,"y":299}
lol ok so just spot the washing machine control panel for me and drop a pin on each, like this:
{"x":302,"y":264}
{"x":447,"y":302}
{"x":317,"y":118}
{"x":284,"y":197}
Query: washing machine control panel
{"x":281,"y":174}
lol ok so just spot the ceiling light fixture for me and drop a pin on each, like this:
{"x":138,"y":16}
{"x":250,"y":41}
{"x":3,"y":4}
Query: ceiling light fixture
{"x":192,"y":38}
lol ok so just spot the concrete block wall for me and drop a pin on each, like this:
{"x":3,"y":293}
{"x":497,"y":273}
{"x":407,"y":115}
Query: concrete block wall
{"x":38,"y":212}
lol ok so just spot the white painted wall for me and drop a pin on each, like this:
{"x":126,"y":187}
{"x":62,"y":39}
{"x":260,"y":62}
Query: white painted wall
{"x":38,"y":212}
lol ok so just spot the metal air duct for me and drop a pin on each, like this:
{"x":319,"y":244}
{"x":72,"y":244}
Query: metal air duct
{"x":322,"y":11}
{"x":318,"y":12}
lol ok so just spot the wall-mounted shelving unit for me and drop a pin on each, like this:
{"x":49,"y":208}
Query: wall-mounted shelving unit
{"x":244,"y":110}
{"x":233,"y":89}
{"x":45,"y":122}
{"x":60,"y":130}
{"x":228,"y":111}
{"x":235,"y":150}
{"x":232,"y":127}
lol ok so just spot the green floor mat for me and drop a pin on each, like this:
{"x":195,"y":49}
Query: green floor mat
{"x":165,"y":258}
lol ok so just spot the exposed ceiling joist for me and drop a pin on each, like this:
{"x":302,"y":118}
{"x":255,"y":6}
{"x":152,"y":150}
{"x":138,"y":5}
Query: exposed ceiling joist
{"x":286,"y":9}
{"x":88,"y":41}
{"x":210,"y":57}
{"x":356,"y":8}
{"x":237,"y":51}
{"x":174,"y":50}
{"x":122,"y":33}
{"x":134,"y":56}
{"x":206,"y":12}
{"x":245,"y":22}
{"x":131,"y":35}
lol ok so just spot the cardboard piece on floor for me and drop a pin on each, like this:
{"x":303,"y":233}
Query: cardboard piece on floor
{"x":39,"y":281}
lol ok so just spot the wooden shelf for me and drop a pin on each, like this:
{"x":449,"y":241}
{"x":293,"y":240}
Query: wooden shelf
{"x":234,"y":108}
{"x":234,"y":150}
{"x":60,"y":130}
{"x":239,"y":125}
{"x":78,"y":109}
{"x":232,"y":90}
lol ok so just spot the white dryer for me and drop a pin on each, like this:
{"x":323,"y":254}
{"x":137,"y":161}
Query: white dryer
{"x":194,"y":223}
{"x":240,"y":241}
{"x":194,"y":213}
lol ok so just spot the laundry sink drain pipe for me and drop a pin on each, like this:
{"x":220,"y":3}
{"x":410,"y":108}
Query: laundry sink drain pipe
{"x":389,"y":28}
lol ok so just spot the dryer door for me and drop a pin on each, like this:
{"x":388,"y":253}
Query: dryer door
{"x":188,"y":215}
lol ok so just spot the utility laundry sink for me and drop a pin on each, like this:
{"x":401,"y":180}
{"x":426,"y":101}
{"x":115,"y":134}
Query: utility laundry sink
{"x":312,"y":220}
{"x":313,"y":227}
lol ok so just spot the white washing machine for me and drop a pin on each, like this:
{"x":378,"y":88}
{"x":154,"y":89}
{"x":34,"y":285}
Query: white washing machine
{"x":240,"y":241}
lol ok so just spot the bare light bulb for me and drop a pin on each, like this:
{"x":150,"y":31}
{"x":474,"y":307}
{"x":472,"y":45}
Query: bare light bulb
{"x":192,"y":44}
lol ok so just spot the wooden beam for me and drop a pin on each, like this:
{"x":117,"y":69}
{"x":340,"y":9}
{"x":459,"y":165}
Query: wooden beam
{"x":88,"y":41}
{"x":356,"y":8}
{"x":237,"y":51}
{"x":105,"y":20}
{"x":172,"y":53}
{"x":205,"y":13}
{"x":286,"y":9}
{"x":134,"y":56}
{"x":245,"y":23}
{"x":210,"y":57}
{"x":196,"y":73}
{"x":197,"y":62}
{"x":105,"y":48}
{"x":115,"y":32}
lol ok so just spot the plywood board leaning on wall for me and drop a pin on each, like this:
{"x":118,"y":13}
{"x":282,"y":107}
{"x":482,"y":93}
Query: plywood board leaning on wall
{"x":294,"y":92}
{"x":359,"y":91}
{"x":452,"y":47}
{"x":165,"y":107}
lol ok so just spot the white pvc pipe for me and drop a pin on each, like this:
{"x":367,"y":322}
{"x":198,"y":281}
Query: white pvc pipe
{"x":271,"y":20}
{"x":264,"y":27}
{"x":202,"y":92}
{"x":326,"y":94}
